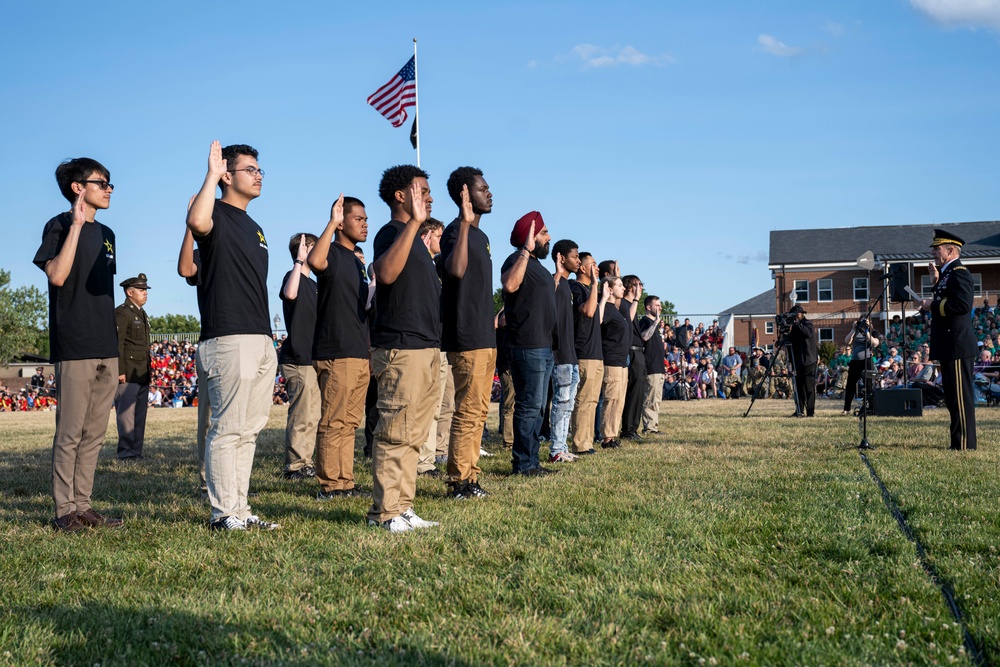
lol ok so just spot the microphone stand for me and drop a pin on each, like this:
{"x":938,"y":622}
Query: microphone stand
{"x":869,"y":373}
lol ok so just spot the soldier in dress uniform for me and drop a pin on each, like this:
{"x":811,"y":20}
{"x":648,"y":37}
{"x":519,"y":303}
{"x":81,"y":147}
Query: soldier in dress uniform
{"x":132,"y":395}
{"x":953,"y":342}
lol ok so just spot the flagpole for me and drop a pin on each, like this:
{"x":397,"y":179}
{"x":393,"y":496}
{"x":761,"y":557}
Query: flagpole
{"x":416,"y":100}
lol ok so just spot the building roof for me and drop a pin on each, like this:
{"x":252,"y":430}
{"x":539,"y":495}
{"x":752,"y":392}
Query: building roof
{"x":762,"y":304}
{"x":892,"y":242}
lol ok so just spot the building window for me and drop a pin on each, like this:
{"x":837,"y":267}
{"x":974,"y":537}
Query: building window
{"x":802,"y":291}
{"x":824,"y":290}
{"x":977,"y":284}
{"x":926,"y":286}
{"x":769,"y":328}
{"x":825,"y":335}
{"x":860,"y":289}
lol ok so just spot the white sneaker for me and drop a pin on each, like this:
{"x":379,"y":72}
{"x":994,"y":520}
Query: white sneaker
{"x":484,"y":453}
{"x":228,"y":523}
{"x":411,"y":518}
{"x":254,"y":521}
{"x":396,"y":524}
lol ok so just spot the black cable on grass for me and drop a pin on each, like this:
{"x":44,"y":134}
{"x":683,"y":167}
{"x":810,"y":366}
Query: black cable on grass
{"x":971,"y":647}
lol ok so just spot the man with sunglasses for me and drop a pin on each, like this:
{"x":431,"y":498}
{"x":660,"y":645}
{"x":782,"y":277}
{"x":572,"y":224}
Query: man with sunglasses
{"x":78,"y":255}
{"x":236,"y":351}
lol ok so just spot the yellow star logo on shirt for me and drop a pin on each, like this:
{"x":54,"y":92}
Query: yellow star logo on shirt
{"x":107,"y":244}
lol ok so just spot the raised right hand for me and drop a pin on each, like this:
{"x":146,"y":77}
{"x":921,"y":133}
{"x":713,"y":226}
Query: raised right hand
{"x":337,"y":212}
{"x":418,"y":209}
{"x":529,"y":243}
{"x":80,"y":209}
{"x":216,"y":165}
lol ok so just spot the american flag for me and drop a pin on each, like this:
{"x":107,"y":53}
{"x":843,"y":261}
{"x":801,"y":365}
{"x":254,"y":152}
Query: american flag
{"x":400,"y":92}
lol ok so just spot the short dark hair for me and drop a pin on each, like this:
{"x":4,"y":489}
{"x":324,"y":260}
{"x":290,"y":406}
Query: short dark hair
{"x":430,"y":224}
{"x":293,"y":243}
{"x":630,"y":280}
{"x":459,"y":177}
{"x":564,"y":247}
{"x":397,"y":178}
{"x":77,"y":170}
{"x":230,"y":153}
{"x":584,"y":255}
{"x":605,"y":268}
{"x":647,"y":302}
{"x":351,"y":202}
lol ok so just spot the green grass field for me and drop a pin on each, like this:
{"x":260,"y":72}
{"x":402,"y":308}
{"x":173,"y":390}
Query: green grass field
{"x":758,"y":541}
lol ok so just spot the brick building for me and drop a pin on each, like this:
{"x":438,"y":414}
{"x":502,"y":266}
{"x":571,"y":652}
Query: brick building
{"x":740,"y":320}
{"x":821,"y":267}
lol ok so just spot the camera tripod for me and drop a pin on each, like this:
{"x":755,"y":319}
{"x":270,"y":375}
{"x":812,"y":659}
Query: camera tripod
{"x":783,"y":347}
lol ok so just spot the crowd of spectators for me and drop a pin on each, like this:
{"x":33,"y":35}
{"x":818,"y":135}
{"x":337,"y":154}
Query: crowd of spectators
{"x":697,"y":366}
{"x":38,"y":394}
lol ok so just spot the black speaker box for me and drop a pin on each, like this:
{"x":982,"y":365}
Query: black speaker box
{"x":898,"y":403}
{"x":898,"y":282}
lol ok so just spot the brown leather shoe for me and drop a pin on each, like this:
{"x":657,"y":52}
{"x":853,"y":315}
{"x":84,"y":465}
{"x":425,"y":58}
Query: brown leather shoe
{"x":68,"y":523}
{"x":92,"y":519}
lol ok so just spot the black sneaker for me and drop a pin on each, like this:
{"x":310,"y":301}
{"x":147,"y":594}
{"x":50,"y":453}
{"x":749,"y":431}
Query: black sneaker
{"x":476,"y":491}
{"x":308,"y":471}
{"x":587,"y":452}
{"x":356,"y":492}
{"x":632,"y":436}
{"x":330,"y":495}
{"x":297,"y":475}
{"x":459,"y":491}
{"x":433,"y":473}
{"x":611,"y":444}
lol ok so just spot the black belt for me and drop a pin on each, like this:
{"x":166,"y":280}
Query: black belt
{"x":636,"y":347}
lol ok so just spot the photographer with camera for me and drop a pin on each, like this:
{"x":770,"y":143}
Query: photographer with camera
{"x":862,"y":343}
{"x":802,"y":337}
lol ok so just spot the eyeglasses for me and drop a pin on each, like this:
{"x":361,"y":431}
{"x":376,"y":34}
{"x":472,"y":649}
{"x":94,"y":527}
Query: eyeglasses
{"x":252,"y":172}
{"x":104,"y":185}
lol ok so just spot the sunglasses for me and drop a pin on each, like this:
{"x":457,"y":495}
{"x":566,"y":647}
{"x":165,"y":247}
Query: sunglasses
{"x":104,"y":185}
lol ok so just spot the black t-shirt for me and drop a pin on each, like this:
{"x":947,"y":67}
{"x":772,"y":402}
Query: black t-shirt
{"x":82,"y":311}
{"x":531,"y":310}
{"x":408,"y":311}
{"x":233,"y":275}
{"x":587,"y":330}
{"x":566,"y":354}
{"x":341,"y":322}
{"x":654,"y":346}
{"x":626,"y":310}
{"x":300,"y":320}
{"x":616,"y":337}
{"x":467,"y":304}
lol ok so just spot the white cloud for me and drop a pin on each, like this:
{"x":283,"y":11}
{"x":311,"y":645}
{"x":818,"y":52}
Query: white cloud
{"x":776,"y":47}
{"x":600,"y":56}
{"x":962,"y":13}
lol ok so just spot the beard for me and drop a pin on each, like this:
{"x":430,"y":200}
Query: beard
{"x":541,"y":251}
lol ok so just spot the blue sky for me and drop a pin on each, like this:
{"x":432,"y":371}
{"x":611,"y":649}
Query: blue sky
{"x":670,"y":136}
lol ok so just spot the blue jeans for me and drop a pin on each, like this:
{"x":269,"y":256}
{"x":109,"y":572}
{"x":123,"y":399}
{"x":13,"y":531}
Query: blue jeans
{"x":530,"y":369}
{"x":565,"y":378}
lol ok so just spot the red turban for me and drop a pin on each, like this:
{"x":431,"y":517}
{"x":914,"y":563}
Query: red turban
{"x":519,"y":236}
